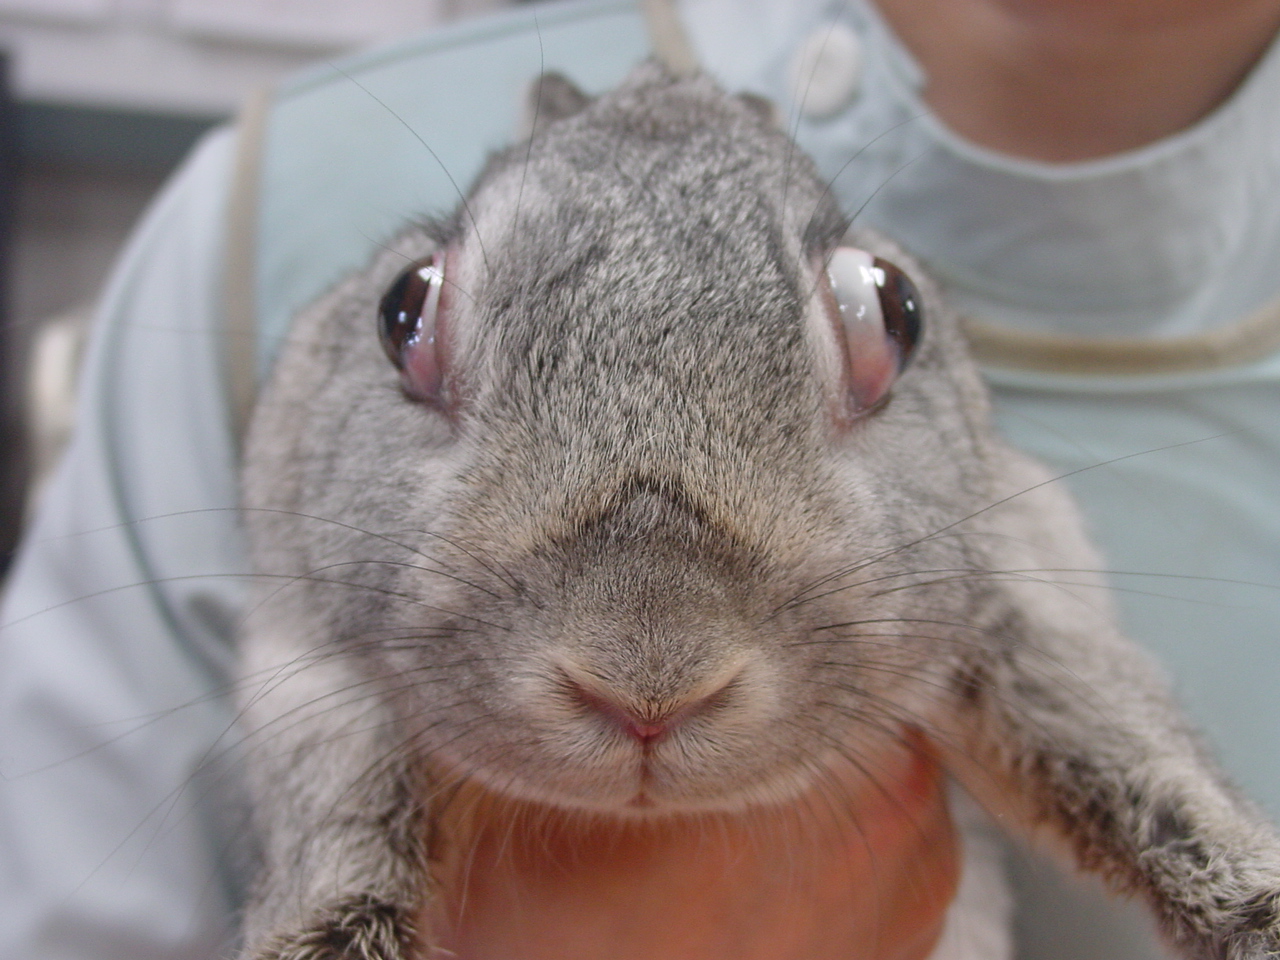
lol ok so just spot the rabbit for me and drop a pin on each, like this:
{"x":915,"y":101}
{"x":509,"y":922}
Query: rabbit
{"x":635,"y":485}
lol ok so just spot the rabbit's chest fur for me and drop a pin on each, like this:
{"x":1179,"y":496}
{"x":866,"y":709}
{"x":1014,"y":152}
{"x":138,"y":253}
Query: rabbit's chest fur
{"x":635,"y":553}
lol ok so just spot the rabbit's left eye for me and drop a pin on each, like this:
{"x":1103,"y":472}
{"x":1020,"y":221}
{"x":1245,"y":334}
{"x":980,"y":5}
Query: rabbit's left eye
{"x":412,"y":317}
{"x":878,"y":316}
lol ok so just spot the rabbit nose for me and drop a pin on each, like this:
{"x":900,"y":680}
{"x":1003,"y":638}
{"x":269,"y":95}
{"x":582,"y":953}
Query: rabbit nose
{"x":646,"y":727}
{"x":647,"y":723}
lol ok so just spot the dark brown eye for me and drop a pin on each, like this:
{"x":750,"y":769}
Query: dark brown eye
{"x":411,"y":321}
{"x":878,"y":316}
{"x":903,"y":311}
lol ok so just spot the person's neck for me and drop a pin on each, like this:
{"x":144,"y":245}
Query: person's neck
{"x":1064,"y":80}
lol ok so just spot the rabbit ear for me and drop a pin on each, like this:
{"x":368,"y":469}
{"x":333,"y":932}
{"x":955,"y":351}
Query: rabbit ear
{"x":762,"y":107}
{"x":551,"y":97}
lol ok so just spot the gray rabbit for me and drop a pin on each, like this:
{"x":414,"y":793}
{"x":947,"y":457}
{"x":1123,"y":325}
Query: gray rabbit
{"x":659,"y":484}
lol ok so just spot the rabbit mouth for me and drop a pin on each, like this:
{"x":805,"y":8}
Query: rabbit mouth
{"x":732,"y":734}
{"x":634,"y":781}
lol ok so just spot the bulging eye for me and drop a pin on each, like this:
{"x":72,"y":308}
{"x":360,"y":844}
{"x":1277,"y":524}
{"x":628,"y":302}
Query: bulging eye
{"x":878,"y":316}
{"x":411,"y":325}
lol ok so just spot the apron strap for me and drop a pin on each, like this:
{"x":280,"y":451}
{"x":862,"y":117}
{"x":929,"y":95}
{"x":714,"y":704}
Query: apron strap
{"x":1247,"y":341}
{"x":239,"y":294}
{"x":671,"y":46}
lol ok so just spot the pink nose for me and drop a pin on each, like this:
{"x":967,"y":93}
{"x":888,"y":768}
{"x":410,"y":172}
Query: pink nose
{"x":646,"y":730}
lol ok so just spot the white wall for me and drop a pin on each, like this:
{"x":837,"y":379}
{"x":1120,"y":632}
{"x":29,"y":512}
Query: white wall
{"x":198,"y":57}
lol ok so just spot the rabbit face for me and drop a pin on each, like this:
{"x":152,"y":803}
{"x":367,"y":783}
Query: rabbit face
{"x":631,"y":530}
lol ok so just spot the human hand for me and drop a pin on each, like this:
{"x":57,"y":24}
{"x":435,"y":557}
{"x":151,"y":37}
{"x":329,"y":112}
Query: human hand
{"x":854,"y":869}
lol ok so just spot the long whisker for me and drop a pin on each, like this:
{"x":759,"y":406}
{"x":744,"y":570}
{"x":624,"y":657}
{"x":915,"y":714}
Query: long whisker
{"x":828,"y":186}
{"x":793,"y":125}
{"x":900,"y":548}
{"x":533,"y":127}
{"x":426,"y":146}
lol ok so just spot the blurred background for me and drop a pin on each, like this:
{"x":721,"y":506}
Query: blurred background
{"x":99,"y":100}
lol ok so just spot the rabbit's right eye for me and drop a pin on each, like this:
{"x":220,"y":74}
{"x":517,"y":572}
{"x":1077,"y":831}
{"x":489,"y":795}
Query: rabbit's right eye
{"x":411,"y":325}
{"x":877,"y":315}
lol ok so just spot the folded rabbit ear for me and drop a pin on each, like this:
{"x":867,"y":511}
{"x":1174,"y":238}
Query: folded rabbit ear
{"x":551,"y":97}
{"x":762,"y":107}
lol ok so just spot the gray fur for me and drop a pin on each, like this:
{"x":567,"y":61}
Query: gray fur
{"x":643,"y":485}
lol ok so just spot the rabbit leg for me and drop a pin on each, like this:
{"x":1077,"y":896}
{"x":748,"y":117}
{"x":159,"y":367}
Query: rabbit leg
{"x":340,"y":821}
{"x":1068,"y":725}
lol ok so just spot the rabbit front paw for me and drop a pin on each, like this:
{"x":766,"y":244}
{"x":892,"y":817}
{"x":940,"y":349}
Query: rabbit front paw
{"x":355,"y":928}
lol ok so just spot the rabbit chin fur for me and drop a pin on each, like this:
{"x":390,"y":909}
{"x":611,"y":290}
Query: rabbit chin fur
{"x":636,"y":487}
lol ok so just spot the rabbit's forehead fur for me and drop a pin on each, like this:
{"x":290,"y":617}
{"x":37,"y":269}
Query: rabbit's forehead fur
{"x":642,"y":275}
